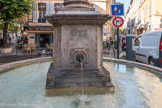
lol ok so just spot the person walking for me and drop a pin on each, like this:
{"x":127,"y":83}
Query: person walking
{"x":108,"y":42}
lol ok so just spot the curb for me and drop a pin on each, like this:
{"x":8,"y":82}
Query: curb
{"x":147,"y":67}
{"x":9,"y":66}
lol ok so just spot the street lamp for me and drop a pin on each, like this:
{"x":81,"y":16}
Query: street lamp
{"x":31,"y":46}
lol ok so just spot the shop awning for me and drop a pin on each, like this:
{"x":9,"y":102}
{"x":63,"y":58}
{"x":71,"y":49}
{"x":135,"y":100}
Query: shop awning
{"x":142,"y":25}
{"x":25,"y":35}
{"x":39,"y":32}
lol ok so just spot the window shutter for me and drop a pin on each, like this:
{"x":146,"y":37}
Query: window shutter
{"x":47,"y":9}
{"x":51,"y":8}
{"x":35,"y":12}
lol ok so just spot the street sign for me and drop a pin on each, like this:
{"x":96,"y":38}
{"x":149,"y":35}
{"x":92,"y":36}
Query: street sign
{"x":148,"y":26}
{"x":118,"y":21}
{"x":117,"y":10}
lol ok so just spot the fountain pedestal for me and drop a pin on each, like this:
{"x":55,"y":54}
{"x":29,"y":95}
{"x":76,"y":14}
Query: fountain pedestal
{"x":77,"y":33}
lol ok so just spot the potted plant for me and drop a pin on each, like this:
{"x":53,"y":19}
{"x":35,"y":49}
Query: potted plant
{"x":6,"y":50}
{"x":104,"y":45}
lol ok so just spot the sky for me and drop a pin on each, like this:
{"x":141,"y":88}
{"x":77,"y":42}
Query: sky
{"x":126,"y":4}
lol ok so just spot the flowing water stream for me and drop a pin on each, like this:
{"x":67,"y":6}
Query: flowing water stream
{"x":82,"y":75}
{"x":39,"y":62}
{"x":83,"y":98}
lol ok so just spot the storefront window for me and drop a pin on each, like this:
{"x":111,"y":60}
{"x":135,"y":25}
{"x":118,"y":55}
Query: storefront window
{"x":32,"y":37}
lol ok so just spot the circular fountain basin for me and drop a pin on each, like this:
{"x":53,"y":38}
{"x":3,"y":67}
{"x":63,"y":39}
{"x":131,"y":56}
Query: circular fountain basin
{"x":134,"y":88}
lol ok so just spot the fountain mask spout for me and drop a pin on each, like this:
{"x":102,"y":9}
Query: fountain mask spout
{"x":79,"y":58}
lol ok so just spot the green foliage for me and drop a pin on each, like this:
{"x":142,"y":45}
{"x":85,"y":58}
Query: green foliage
{"x":1,"y":26}
{"x":15,"y":26}
{"x":13,"y":9}
{"x":104,"y":45}
{"x":115,"y":41}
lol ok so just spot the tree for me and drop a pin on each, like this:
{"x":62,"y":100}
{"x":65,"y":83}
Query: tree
{"x":11,"y":10}
{"x":16,"y":26}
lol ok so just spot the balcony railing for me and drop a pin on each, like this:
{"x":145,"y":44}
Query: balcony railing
{"x":41,"y":20}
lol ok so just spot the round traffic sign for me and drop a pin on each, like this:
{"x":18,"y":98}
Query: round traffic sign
{"x":118,"y":21}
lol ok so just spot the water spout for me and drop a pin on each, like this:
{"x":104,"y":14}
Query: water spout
{"x":81,"y":67}
{"x":42,"y":55}
{"x":81,"y":98}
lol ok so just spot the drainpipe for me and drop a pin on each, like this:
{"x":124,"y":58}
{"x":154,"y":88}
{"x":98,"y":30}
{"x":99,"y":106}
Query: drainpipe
{"x":152,"y":13}
{"x":28,"y":18}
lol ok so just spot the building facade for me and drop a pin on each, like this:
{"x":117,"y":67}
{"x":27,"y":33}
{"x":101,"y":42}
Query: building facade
{"x":40,"y":32}
{"x":104,"y":7}
{"x":143,"y":16}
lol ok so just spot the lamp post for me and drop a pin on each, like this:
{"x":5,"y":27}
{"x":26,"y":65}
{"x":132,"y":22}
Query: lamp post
{"x":31,"y":46}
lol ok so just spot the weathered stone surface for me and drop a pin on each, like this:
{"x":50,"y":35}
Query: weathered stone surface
{"x":86,"y":40}
{"x":78,"y":18}
{"x":77,"y":33}
{"x":57,"y":78}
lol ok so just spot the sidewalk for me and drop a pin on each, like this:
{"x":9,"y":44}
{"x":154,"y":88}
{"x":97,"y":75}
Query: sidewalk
{"x":11,"y":58}
{"x":109,"y":53}
{"x":17,"y":55}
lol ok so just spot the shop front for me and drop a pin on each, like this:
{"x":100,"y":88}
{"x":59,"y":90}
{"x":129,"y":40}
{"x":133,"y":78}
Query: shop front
{"x":40,"y":36}
{"x":42,"y":40}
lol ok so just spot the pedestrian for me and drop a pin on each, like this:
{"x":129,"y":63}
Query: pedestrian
{"x":9,"y":40}
{"x":1,"y":42}
{"x":108,"y":42}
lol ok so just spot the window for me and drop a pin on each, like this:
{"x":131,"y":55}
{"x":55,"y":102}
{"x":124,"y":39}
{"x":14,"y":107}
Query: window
{"x":150,"y":40}
{"x":32,"y":37}
{"x":35,"y":12}
{"x":137,"y":41}
{"x":42,"y":11}
{"x":58,"y":7}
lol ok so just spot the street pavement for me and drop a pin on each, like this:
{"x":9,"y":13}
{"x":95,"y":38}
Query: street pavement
{"x":12,"y":58}
{"x":18,"y":55}
{"x":111,"y":53}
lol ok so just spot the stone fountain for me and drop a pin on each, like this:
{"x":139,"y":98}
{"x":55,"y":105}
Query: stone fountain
{"x":77,"y":38}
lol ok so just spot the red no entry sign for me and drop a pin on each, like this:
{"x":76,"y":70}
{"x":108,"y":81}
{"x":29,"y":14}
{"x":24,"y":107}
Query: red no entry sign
{"x":118,"y":21}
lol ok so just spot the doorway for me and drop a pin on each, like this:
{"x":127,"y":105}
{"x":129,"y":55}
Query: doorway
{"x":44,"y":39}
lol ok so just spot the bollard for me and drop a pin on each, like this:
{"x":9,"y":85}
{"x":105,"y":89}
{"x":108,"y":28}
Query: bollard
{"x":130,"y":54}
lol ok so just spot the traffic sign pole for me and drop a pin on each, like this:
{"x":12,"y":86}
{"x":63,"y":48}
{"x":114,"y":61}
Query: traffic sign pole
{"x":117,"y":10}
{"x":118,"y":22}
{"x":117,"y":42}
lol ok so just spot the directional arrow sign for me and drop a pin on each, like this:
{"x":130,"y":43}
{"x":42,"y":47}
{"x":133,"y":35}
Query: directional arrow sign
{"x":117,"y":9}
{"x":118,"y":21}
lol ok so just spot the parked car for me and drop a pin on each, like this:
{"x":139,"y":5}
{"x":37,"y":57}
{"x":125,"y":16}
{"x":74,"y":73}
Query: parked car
{"x":148,"y":48}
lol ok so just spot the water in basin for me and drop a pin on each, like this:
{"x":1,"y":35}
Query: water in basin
{"x":134,"y":88}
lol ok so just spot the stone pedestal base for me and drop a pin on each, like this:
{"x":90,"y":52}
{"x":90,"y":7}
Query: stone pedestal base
{"x":59,"y":79}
